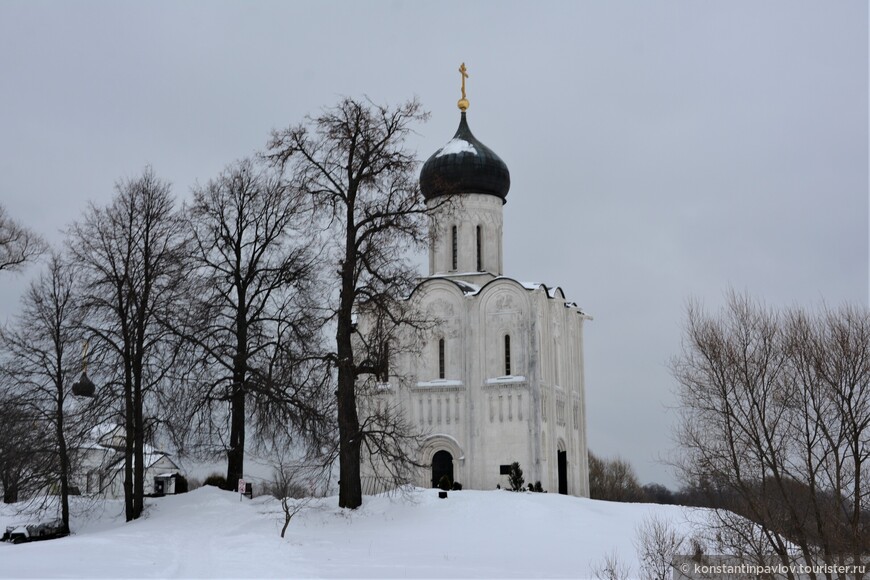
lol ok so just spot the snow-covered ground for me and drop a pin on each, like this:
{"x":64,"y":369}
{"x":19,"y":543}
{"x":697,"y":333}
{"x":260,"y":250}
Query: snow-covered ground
{"x":209,"y":533}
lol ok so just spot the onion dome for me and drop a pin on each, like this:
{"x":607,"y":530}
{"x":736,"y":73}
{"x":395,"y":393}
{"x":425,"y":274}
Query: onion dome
{"x":84,"y":387}
{"x":464,"y":165}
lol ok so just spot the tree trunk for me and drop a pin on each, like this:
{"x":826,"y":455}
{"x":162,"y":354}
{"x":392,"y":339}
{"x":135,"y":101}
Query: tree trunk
{"x":128,"y":467}
{"x":10,"y":492}
{"x":64,"y":464}
{"x":349,"y":484}
{"x":236,"y":452}
{"x":128,"y":447}
{"x":139,"y":449}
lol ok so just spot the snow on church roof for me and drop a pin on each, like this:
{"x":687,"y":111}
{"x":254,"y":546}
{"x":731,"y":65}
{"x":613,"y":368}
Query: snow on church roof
{"x":507,"y":379}
{"x":469,"y":289}
{"x":440,"y":383}
{"x":455,"y":146}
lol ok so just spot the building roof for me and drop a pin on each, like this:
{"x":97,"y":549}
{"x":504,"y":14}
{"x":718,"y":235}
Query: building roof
{"x":464,"y":165}
{"x":469,"y":289}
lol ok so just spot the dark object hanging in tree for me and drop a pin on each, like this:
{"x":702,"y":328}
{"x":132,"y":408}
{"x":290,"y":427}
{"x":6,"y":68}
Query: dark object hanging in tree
{"x":84,"y":387}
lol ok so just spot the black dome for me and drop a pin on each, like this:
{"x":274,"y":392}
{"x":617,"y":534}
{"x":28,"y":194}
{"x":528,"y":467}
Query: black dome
{"x":464,"y":165}
{"x":84,"y":387}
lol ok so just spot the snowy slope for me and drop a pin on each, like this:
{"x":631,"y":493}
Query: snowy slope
{"x":472,"y":534}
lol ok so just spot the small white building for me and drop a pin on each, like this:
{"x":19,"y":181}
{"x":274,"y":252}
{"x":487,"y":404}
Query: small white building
{"x":500,"y":377}
{"x":101,"y":465}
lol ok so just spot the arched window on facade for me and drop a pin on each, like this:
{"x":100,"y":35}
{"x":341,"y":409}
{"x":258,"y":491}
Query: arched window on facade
{"x":441,"y":358}
{"x":507,"y":354}
{"x":455,"y":241}
{"x":557,"y":375}
{"x":384,"y":367}
{"x":479,"y":249}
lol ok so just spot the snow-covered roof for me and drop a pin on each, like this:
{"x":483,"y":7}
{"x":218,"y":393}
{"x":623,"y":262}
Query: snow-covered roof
{"x":469,"y":289}
{"x":507,"y":379}
{"x":99,"y":436}
{"x":103,"y":429}
{"x":456,"y":145}
{"x":151,"y":458}
{"x":440,"y":383}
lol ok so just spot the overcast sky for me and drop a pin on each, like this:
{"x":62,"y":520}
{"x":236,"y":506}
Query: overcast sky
{"x":658,"y":151}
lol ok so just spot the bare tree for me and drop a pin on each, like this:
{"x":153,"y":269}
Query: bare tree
{"x":352,"y":162}
{"x":17,"y":243}
{"x":130,"y":263}
{"x":657,"y":543}
{"x":290,"y":489}
{"x":610,"y":567}
{"x":775,"y":420}
{"x":829,"y":366}
{"x":252,"y":318}
{"x":25,"y":445}
{"x":41,"y":356}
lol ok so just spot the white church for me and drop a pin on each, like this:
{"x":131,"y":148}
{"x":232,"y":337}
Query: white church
{"x":499,"y":378}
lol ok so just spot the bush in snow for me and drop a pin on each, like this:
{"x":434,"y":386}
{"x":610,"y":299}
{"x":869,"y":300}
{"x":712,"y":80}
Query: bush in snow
{"x":444,"y":483}
{"x":536,"y":487}
{"x":516,"y":477}
{"x":216,"y":480}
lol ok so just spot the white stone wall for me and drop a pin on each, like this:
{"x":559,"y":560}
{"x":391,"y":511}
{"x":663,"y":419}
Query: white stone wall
{"x":466,"y":212}
{"x":483,"y":417}
{"x":562,"y":387}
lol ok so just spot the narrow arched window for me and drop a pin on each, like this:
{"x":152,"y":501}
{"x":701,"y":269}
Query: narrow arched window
{"x":479,"y":249}
{"x":507,"y":354}
{"x":441,"y":358}
{"x":455,"y":236}
{"x":558,"y":368}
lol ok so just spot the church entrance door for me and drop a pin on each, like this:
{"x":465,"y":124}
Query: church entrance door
{"x":442,"y":464}
{"x":563,"y":472}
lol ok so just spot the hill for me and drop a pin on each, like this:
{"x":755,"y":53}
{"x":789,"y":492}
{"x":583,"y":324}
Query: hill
{"x":210,"y":533}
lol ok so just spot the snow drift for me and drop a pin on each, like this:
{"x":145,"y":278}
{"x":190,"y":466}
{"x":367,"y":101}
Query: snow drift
{"x":211,"y":533}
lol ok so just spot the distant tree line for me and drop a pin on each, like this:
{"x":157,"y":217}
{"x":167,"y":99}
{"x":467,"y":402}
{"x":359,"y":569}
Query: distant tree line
{"x":616,"y":480}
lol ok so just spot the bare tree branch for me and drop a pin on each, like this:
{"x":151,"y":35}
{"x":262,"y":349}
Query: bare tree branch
{"x":18,"y":244}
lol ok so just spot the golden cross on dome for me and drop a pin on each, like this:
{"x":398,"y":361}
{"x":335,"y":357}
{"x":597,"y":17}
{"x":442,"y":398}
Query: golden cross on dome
{"x":463,"y":102}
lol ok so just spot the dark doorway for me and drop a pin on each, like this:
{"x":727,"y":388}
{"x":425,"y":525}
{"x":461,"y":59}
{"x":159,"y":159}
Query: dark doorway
{"x":442,"y":464}
{"x":563,"y":472}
